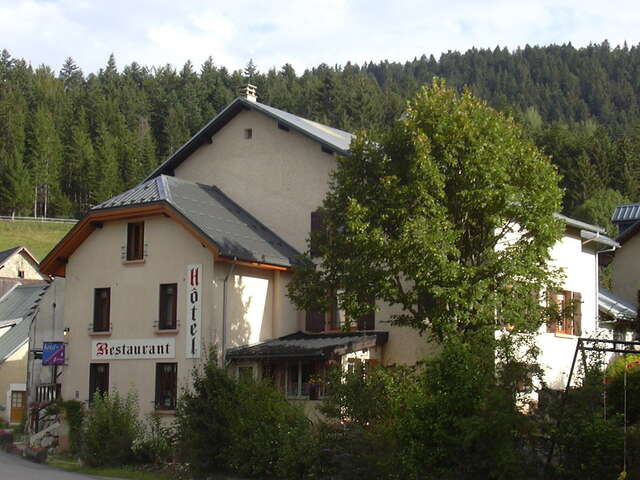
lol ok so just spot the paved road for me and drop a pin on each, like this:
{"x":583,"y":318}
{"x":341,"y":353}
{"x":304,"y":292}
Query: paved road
{"x":13,"y":467}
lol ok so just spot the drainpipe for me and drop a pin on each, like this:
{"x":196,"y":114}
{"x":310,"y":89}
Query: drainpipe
{"x":224,"y":311}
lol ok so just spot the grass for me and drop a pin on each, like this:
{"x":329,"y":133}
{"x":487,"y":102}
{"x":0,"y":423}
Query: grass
{"x":127,"y":471}
{"x":38,"y":237}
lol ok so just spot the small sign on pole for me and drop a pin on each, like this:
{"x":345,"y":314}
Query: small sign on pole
{"x":53,"y":353}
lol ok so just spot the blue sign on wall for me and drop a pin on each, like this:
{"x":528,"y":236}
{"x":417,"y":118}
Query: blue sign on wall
{"x":53,"y":353}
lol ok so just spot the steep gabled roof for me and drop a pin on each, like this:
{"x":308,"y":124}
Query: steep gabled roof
{"x":229,"y":230}
{"x":17,"y":309}
{"x":329,"y":137}
{"x":7,"y":254}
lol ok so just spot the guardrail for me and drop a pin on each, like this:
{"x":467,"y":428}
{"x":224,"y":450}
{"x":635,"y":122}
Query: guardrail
{"x":39,"y":219}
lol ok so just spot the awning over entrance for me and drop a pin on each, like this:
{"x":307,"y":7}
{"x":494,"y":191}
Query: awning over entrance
{"x":304,"y":345}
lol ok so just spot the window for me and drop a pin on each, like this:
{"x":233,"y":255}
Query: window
{"x":20,"y":273}
{"x":167,"y":319}
{"x":299,"y":379}
{"x":248,"y":133}
{"x":98,"y":379}
{"x":135,"y":241}
{"x":166,"y":386}
{"x":101,"y":307}
{"x":566,"y":316}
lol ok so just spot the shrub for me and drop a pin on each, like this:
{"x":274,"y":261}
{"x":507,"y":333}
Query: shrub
{"x":615,"y":387}
{"x":246,"y":428}
{"x":273,"y":433}
{"x":155,"y":442}
{"x":74,"y":413}
{"x":464,"y":422}
{"x":110,"y":430}
{"x":205,"y":417}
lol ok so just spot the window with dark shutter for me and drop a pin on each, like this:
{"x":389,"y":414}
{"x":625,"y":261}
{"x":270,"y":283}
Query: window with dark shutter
{"x":166,"y":386}
{"x":577,"y":313}
{"x":98,"y":379}
{"x":101,"y":309}
{"x":315,"y":322}
{"x":135,"y":241}
{"x":317,"y":227}
{"x":167,"y":319}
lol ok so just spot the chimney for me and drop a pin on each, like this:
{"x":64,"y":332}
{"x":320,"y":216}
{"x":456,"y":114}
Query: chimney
{"x":249,"y":92}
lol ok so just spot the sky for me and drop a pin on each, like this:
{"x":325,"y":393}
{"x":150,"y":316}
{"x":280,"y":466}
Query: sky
{"x":303,"y":33}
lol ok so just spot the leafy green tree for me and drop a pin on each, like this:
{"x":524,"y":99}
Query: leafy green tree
{"x":451,"y":216}
{"x":598,"y":208}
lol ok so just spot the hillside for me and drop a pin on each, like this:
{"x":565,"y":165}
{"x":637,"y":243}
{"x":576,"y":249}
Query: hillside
{"x":38,"y":237}
{"x":70,"y":140}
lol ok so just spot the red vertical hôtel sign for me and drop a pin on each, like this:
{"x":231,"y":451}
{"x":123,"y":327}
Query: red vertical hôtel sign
{"x":194,"y":311}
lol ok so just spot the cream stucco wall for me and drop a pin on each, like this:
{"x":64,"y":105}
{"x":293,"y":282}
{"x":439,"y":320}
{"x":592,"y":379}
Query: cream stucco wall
{"x":12,"y":371}
{"x":21,"y":262}
{"x":254,"y":298}
{"x":278,"y":176}
{"x":580,"y":268}
{"x":625,"y":266}
{"x":97,"y":263}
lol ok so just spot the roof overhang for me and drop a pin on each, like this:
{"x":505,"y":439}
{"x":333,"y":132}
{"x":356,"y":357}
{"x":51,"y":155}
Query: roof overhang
{"x":309,"y":345}
{"x":205,"y":134}
{"x":596,"y":237}
{"x":55,"y":262}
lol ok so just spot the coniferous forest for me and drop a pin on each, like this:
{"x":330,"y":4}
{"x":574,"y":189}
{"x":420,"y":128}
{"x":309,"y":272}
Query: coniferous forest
{"x":69,"y":140}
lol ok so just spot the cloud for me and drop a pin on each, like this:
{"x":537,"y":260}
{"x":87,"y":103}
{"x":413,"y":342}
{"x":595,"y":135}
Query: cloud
{"x":305,"y":34}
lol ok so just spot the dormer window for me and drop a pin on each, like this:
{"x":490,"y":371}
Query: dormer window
{"x":135,"y":241}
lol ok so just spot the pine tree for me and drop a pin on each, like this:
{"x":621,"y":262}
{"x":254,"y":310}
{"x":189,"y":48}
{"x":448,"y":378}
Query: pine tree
{"x":45,"y":159}
{"x":108,"y":178}
{"x":15,"y":187}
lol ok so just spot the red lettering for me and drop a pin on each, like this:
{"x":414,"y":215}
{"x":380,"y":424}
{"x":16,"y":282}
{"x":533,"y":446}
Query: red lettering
{"x":194,"y":276}
{"x":101,"y":349}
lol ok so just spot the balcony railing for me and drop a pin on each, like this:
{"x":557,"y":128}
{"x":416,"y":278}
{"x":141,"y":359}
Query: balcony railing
{"x":47,"y":392}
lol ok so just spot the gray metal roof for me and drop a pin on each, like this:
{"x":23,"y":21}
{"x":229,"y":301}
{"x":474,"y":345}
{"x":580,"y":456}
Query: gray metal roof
{"x":234,"y":231}
{"x":629,"y":212}
{"x":6,"y":254}
{"x":615,"y":306}
{"x":17,"y":309}
{"x":308,"y":345}
{"x":338,"y":139}
{"x":572,"y":222}
{"x":329,"y":137}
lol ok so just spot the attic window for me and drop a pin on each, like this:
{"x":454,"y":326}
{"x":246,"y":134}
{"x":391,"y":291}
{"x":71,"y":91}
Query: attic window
{"x":248,"y":133}
{"x":20,"y":273}
{"x":327,"y":150}
{"x":282,"y":126}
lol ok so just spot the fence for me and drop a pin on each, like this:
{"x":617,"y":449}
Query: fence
{"x":39,"y":219}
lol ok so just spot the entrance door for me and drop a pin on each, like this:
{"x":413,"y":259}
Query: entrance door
{"x":18,"y":401}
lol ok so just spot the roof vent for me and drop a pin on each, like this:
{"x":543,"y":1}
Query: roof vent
{"x":249,"y":92}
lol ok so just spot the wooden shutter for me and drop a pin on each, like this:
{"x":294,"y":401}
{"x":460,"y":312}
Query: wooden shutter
{"x":315,"y":322}
{"x":577,"y":313}
{"x":317,"y":226}
{"x":101,"y":309}
{"x":135,"y":241}
{"x":168,"y":306}
{"x":552,"y":323}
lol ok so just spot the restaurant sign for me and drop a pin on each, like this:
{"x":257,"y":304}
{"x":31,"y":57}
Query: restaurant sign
{"x":194,"y":311}
{"x":133,"y":349}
